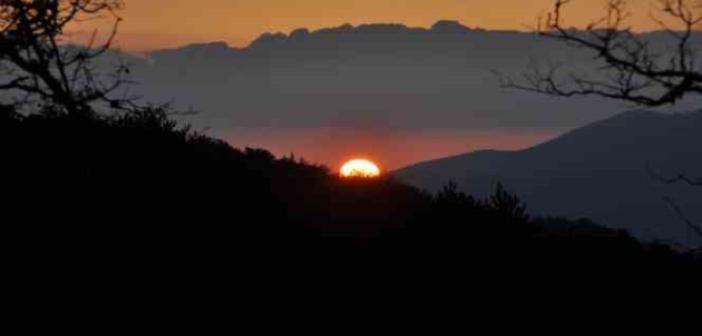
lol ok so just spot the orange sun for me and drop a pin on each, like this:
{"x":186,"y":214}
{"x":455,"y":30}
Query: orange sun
{"x":360,"y":168}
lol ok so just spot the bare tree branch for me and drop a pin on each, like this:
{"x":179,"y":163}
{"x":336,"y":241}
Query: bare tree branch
{"x":630,"y":68}
{"x":679,"y":178}
{"x":673,"y":205}
{"x":35,"y":61}
{"x":683,"y":178}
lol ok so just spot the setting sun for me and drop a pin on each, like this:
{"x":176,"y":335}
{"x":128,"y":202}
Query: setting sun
{"x":360,"y":168}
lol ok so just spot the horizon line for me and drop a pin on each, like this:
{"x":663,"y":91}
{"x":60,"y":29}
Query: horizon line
{"x":350,"y":25}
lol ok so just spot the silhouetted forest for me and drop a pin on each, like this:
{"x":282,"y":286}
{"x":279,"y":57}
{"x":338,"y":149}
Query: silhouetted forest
{"x":114,"y":213}
{"x":139,"y":193}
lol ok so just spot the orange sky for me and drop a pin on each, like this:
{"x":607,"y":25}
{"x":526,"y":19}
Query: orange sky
{"x":151,"y":24}
{"x":391,"y":149}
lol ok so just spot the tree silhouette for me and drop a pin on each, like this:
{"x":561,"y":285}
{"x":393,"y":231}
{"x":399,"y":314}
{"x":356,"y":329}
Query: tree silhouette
{"x":139,"y":195}
{"x":510,"y":205}
{"x":39,"y":68}
{"x":629,"y":67}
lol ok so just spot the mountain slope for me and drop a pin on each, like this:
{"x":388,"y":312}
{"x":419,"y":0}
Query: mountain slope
{"x":602,"y":171}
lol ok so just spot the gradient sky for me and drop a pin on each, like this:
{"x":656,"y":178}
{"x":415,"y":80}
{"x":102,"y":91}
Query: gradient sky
{"x":152,"y":24}
{"x":391,"y":149}
{"x":155,"y":24}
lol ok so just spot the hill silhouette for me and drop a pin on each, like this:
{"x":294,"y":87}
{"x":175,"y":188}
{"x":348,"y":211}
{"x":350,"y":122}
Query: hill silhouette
{"x":605,"y":171}
{"x":137,"y":194}
{"x":115,"y":212}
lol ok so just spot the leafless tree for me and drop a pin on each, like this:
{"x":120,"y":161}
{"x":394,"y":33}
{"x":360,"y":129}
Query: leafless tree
{"x":38,"y":65}
{"x":629,"y":67}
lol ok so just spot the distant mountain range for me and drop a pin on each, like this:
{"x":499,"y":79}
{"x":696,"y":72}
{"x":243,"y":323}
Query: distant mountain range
{"x":380,"y":75}
{"x":393,"y":77}
{"x":605,"y":171}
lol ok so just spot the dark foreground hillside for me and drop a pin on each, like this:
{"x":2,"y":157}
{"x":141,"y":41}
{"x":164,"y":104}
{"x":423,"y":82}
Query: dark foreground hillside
{"x":136,"y":196}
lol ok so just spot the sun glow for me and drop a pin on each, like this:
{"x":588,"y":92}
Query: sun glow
{"x":360,"y":168}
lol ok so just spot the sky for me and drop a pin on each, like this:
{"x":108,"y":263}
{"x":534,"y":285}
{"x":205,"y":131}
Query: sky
{"x":154,"y":24}
{"x":158,"y":24}
{"x":390,"y":149}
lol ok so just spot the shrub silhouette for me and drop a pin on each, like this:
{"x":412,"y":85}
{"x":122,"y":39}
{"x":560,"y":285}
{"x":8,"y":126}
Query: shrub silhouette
{"x":136,"y":203}
{"x":138,"y":190}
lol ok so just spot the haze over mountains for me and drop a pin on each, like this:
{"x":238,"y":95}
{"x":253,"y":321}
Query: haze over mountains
{"x":400,"y":95}
{"x":377,"y":84}
{"x":604,"y":171}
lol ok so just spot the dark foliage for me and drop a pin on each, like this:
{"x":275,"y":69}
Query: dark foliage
{"x":138,"y":193}
{"x":132,"y":215}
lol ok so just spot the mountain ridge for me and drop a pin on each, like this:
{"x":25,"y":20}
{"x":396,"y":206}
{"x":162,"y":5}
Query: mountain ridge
{"x":607,"y":170}
{"x":302,"y":32}
{"x":443,"y":26}
{"x":386,"y":80}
